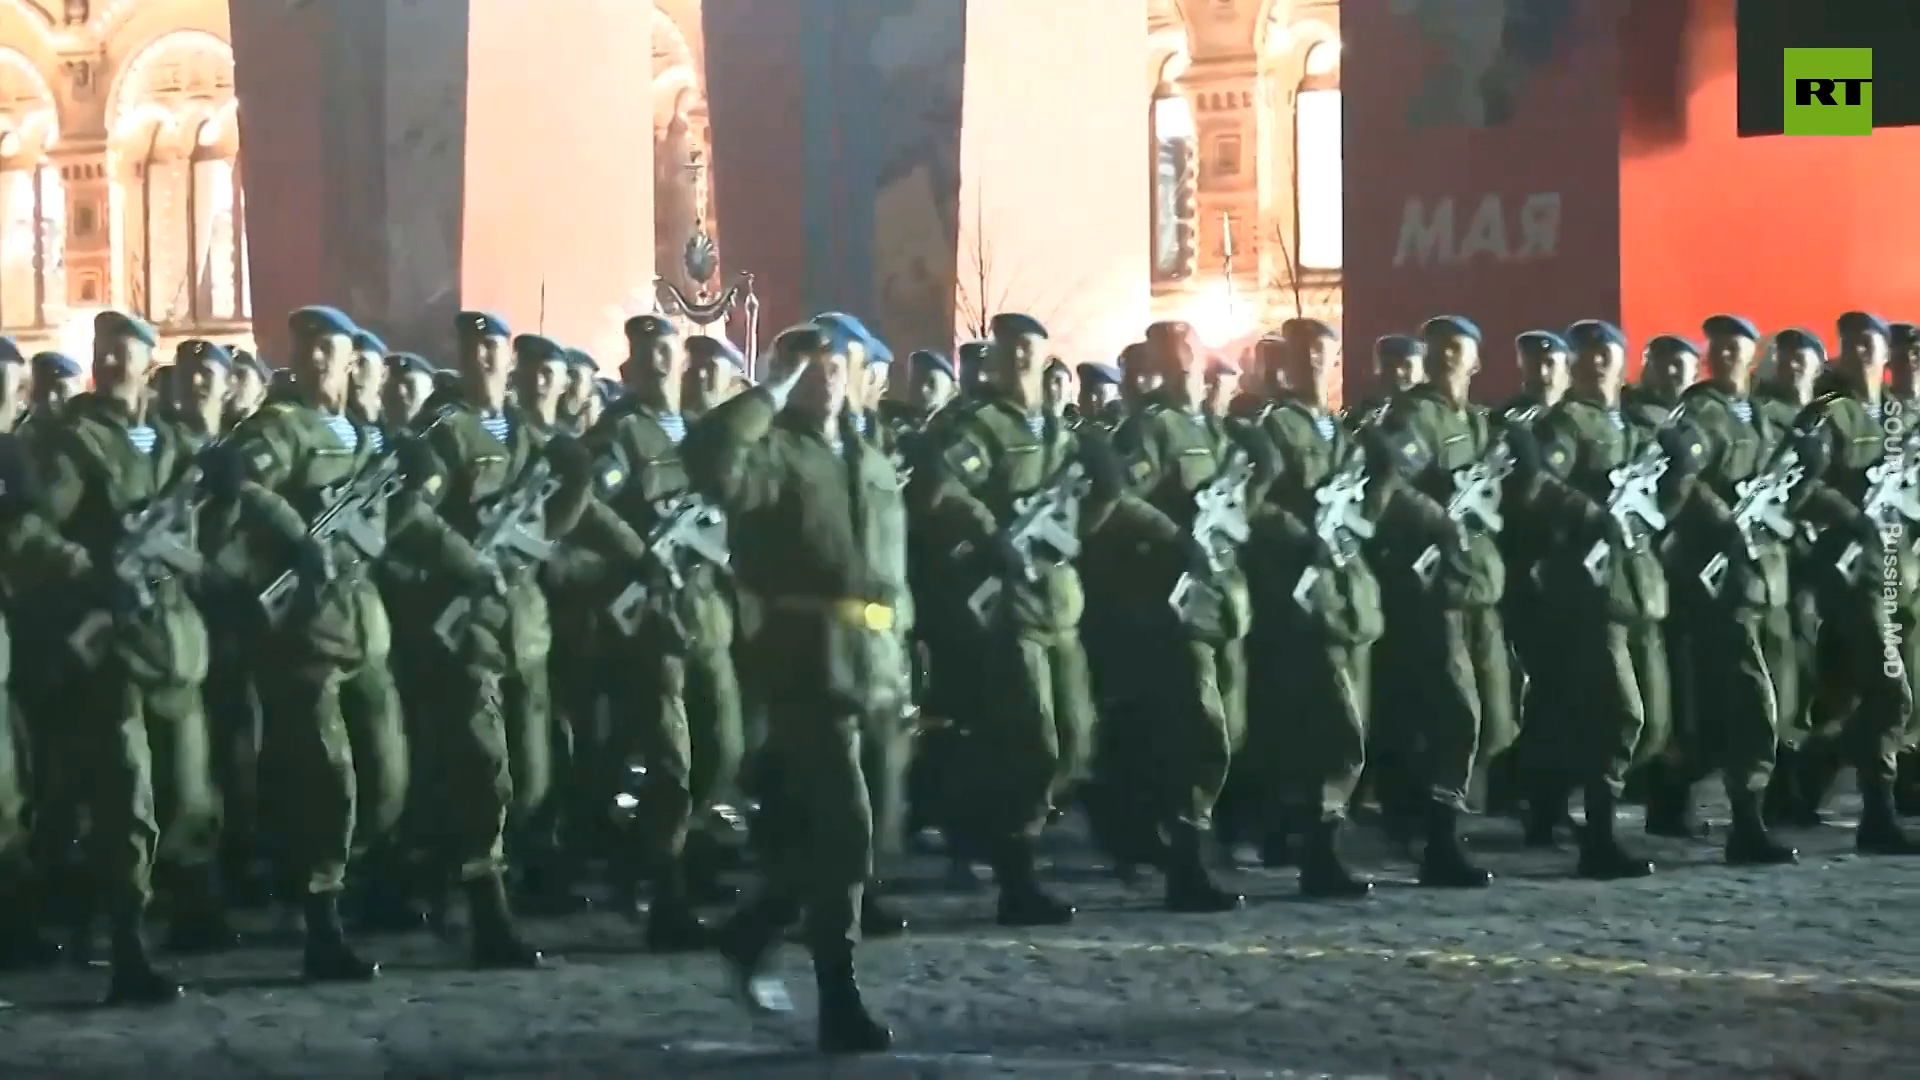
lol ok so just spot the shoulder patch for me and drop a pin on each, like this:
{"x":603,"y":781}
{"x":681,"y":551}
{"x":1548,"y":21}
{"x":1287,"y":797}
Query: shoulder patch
{"x":967,"y":460}
{"x":1140,"y":469}
{"x":434,"y":483}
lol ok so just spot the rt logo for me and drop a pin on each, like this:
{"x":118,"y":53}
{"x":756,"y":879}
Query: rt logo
{"x":1829,"y":91}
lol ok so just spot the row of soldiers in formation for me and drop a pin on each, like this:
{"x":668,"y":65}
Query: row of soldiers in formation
{"x":394,"y":626}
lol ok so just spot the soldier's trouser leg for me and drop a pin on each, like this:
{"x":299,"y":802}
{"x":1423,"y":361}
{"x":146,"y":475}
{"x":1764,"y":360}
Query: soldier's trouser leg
{"x":152,"y":797}
{"x":233,"y":725}
{"x":1198,"y":739}
{"x":475,"y":775}
{"x":1647,"y":650}
{"x":1331,"y":731}
{"x":313,"y":758}
{"x":1743,"y":732}
{"x":1450,"y":731}
{"x":382,"y":757}
{"x":886,"y":751}
{"x":715,"y":731}
{"x":651,"y":725}
{"x":528,"y":708}
{"x":1014,"y":752}
{"x":13,"y":799}
{"x":1075,"y":717}
{"x":574,"y":672}
{"x":825,"y":865}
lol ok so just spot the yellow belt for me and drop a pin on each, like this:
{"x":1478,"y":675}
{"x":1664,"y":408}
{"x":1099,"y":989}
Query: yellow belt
{"x":848,"y":611}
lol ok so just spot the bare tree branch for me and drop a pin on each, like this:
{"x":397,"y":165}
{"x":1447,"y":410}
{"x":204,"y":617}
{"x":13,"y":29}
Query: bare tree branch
{"x":989,"y":285}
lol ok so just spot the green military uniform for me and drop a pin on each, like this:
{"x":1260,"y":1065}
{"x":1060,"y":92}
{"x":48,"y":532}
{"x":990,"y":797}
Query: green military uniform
{"x":1191,"y":674}
{"x":1870,"y":612}
{"x":334,"y":729}
{"x":1740,"y":634}
{"x":1023,"y":694}
{"x":677,"y":702}
{"x":1310,"y":655}
{"x":133,"y":729}
{"x":1454,"y":703}
{"x":820,"y":539}
{"x":1525,"y":612}
{"x":1616,"y":670}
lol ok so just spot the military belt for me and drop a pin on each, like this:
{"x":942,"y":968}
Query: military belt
{"x":847,"y":611}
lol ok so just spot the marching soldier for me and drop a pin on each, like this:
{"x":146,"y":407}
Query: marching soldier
{"x":368,"y":383}
{"x":1399,"y":365}
{"x":1444,"y":599}
{"x":578,"y":406}
{"x":1317,"y":609}
{"x":715,"y":372}
{"x":247,"y":388}
{"x":57,"y":379}
{"x":1604,"y":574}
{"x":1858,"y":446}
{"x":1192,"y":662}
{"x":1099,"y":402}
{"x":489,"y":739}
{"x":1023,"y":695}
{"x":930,"y":385}
{"x":137,"y":690}
{"x":1732,"y":576}
{"x":408,"y":387}
{"x":820,"y":536}
{"x":681,"y":695}
{"x":333,"y":733}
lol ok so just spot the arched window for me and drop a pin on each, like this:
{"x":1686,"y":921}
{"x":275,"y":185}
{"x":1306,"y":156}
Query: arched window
{"x":1317,"y":183}
{"x":1175,"y":163}
{"x":218,"y":227}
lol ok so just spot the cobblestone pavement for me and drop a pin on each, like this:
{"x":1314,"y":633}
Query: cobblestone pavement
{"x":1808,"y":971}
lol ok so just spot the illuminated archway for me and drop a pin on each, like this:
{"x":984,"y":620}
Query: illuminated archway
{"x":32,"y":199}
{"x":177,"y":205}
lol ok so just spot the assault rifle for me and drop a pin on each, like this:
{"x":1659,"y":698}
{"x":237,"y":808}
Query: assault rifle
{"x":1219,"y":528}
{"x":685,"y":525}
{"x":156,"y":544}
{"x":512,"y":528}
{"x":1475,"y":502}
{"x":1892,"y":496}
{"x":1762,"y":508}
{"x":1338,"y":522}
{"x":347,"y":516}
{"x":1045,"y":529}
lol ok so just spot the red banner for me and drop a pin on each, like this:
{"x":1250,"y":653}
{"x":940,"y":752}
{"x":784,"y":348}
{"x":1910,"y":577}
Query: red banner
{"x":1483,"y":166}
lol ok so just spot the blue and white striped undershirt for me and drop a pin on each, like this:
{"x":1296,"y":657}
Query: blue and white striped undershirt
{"x":344,"y":430}
{"x":674,"y":425}
{"x":1323,"y":424}
{"x":1618,"y":421}
{"x":143,"y":437}
{"x":1743,"y":409}
{"x":496,"y":425}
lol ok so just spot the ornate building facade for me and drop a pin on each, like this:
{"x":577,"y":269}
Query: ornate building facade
{"x":122,"y":173}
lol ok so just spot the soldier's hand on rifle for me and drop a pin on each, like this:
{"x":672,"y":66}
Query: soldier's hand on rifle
{"x":572,"y":462}
{"x":1528,"y":459}
{"x":313,"y":561}
{"x":491,"y":577}
{"x":1683,"y":448}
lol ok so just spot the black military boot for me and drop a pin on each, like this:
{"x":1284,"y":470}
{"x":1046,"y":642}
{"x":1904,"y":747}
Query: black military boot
{"x":550,"y":887}
{"x":23,"y":947}
{"x":198,"y":925}
{"x":704,"y":862}
{"x":135,"y":980}
{"x":1601,"y":856}
{"x":1022,"y":901}
{"x":1750,"y":843}
{"x":846,"y":1027}
{"x":1670,"y":804}
{"x":1547,"y":812}
{"x":672,"y":924}
{"x":1323,"y":875}
{"x":1783,"y":789}
{"x":1444,"y":863}
{"x":748,"y":943}
{"x":879,"y":919}
{"x":1880,"y":832}
{"x":328,"y":958}
{"x":1820,"y":766}
{"x":497,"y":945}
{"x":1191,"y":889}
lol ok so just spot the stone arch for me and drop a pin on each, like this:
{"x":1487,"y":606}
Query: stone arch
{"x":32,"y":199}
{"x":176,"y":208}
{"x":682,"y":142}
{"x":1172,"y":164}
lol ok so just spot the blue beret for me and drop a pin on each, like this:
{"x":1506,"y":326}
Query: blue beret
{"x":647,"y":326}
{"x":535,"y":349}
{"x":1730,"y":326}
{"x":1795,"y":338}
{"x":931,"y":361}
{"x":804,"y":338}
{"x":1392,"y":348}
{"x":406,"y":363}
{"x":1903,"y":333}
{"x":368,"y":341}
{"x":1541,"y":343}
{"x":1671,"y":345}
{"x":581,"y":358}
{"x":1012,"y":325}
{"x":475,"y":325}
{"x":878,"y":354}
{"x":56,"y":365}
{"x":1092,"y":374}
{"x":202,"y":351}
{"x":1442,"y":327}
{"x":717,"y":351}
{"x":842,"y":325}
{"x":244,"y":359}
{"x":10,"y":352}
{"x":1307,"y":330}
{"x":1595,"y":334}
{"x":971,"y":353}
{"x":1862,"y":322}
{"x":118,"y":324}
{"x":321,"y":321}
{"x":446,"y":379}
